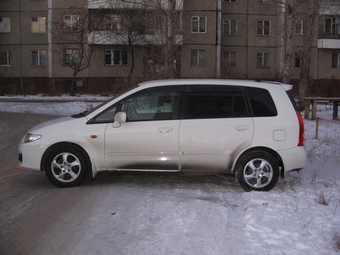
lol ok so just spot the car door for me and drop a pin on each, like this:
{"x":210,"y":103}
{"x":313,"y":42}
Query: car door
{"x":148,"y":140}
{"x":216,"y":124}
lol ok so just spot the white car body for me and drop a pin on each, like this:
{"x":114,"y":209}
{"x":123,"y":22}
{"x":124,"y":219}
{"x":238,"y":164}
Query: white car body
{"x":209,"y":145}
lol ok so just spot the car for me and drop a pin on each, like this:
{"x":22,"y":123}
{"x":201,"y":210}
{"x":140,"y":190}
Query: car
{"x":249,"y":129}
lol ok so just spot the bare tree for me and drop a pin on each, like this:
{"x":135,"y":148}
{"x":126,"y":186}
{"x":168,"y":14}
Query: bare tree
{"x":290,"y":8}
{"x":151,"y":24}
{"x":313,"y":13}
{"x":162,"y":47}
{"x":71,"y":40}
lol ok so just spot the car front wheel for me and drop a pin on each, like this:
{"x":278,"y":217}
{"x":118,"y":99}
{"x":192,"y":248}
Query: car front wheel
{"x":66,"y":167}
{"x":258,"y":171}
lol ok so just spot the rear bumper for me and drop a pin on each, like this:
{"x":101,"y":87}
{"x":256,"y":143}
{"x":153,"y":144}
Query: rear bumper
{"x":294,"y":159}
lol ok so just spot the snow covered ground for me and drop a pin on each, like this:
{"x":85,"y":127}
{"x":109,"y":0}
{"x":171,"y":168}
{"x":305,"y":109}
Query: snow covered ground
{"x":301,"y":215}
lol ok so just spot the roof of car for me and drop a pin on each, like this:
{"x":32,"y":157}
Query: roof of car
{"x":250,"y":83}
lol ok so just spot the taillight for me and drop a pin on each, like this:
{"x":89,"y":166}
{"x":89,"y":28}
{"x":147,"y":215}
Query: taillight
{"x":301,"y":129}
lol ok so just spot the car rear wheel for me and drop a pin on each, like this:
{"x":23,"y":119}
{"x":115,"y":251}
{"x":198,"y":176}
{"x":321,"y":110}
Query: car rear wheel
{"x":66,"y":167}
{"x":258,"y":171}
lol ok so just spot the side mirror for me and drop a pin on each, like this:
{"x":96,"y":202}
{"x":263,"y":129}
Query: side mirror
{"x":119,"y":118}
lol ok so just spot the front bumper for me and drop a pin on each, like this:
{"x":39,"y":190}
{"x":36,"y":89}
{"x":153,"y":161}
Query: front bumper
{"x":30,"y":155}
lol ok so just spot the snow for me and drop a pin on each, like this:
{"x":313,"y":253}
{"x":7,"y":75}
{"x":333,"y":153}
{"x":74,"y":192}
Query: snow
{"x":301,"y":215}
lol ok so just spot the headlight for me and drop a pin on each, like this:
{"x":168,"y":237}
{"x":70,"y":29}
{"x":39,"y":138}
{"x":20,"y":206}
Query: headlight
{"x":31,"y":138}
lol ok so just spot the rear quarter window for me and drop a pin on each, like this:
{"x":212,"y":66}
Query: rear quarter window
{"x":261,"y":102}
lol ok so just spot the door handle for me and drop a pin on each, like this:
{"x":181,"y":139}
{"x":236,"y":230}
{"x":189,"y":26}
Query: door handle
{"x":165,"y":130}
{"x":241,"y":128}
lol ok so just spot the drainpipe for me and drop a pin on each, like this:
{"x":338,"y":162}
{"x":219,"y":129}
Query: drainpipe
{"x":50,"y":38}
{"x":247,"y":40}
{"x":218,"y":38}
{"x":20,"y":56}
{"x":283,"y":34}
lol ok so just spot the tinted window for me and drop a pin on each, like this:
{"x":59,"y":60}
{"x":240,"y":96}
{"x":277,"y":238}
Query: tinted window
{"x":210,"y":101}
{"x":261,"y":102}
{"x":152,"y":104}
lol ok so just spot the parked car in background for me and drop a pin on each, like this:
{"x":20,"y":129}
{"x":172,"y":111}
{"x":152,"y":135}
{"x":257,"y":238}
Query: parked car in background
{"x":250,"y":129}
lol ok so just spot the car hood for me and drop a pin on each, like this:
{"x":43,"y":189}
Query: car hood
{"x":59,"y":122}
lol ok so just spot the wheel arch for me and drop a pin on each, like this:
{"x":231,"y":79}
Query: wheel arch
{"x":63,"y":144}
{"x":272,"y":152}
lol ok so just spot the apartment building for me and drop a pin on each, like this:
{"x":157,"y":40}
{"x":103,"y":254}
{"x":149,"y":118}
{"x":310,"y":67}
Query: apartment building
{"x":44,"y":43}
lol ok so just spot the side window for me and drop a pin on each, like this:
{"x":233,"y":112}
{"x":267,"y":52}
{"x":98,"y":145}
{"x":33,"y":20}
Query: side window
{"x":205,"y":102}
{"x":106,"y":116}
{"x":261,"y":102}
{"x":160,"y":103}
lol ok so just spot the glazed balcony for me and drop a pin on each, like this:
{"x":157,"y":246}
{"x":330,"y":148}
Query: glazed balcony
{"x":326,"y":43}
{"x":122,"y":37}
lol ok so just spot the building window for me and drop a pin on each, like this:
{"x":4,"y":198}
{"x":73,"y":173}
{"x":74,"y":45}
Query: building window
{"x":300,"y":27}
{"x":263,"y":27}
{"x":5,"y":25}
{"x":336,"y":60}
{"x":229,"y":27}
{"x":263,"y":1}
{"x":297,"y":62}
{"x":116,"y":57}
{"x":38,"y":57}
{"x":262,"y":60}
{"x":38,"y":25}
{"x":197,"y":57}
{"x":332,"y":26}
{"x":229,"y":1}
{"x":113,"y":22}
{"x":229,"y":59}
{"x":71,"y":57}
{"x":198,"y":24}
{"x":5,"y":58}
{"x":71,"y":22}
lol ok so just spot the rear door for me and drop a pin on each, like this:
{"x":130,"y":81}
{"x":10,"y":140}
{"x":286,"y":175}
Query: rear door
{"x":216,"y":124}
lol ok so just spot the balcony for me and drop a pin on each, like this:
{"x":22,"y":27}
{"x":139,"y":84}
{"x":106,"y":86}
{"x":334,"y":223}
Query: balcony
{"x":132,"y":4}
{"x":121,"y":37}
{"x":328,"y":43}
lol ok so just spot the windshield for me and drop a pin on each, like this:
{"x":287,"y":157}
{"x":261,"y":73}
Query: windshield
{"x":85,"y":113}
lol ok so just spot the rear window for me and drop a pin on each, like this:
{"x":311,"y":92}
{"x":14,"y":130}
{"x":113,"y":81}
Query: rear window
{"x":261,"y":102}
{"x":292,"y":100}
{"x":202,"y":102}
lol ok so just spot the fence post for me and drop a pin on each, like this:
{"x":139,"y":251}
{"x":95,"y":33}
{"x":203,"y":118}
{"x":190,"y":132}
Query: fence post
{"x":317,"y":128}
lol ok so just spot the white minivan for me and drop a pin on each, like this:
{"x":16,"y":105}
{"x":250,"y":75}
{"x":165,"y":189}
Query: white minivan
{"x":251,"y":129}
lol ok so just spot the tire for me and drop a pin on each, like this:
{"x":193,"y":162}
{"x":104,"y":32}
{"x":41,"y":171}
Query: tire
{"x":66,"y":167}
{"x":257,"y":170}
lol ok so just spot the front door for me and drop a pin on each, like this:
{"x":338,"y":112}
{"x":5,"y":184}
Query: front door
{"x":148,"y":140}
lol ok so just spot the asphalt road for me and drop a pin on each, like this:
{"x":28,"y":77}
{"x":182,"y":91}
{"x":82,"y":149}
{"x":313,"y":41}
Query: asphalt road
{"x":114,"y":214}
